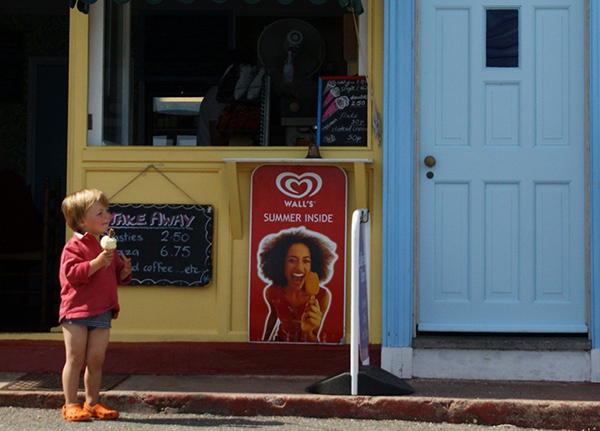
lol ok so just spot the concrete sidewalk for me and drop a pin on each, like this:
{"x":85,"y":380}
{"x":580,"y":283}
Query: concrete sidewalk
{"x":546,"y":405}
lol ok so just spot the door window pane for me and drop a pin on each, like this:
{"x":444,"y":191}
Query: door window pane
{"x":502,"y":38}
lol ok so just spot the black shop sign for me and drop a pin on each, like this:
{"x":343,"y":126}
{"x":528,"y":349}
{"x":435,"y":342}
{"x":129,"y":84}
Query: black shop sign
{"x":342,"y":115}
{"x":169,"y":245}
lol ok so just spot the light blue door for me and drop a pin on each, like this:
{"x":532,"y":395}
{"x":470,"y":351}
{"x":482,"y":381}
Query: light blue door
{"x":502,"y":211}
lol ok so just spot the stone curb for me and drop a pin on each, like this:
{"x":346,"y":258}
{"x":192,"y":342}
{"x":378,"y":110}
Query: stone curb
{"x":558,"y":415}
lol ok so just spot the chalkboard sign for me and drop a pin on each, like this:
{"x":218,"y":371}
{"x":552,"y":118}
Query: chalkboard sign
{"x":169,"y":245}
{"x":342,"y":116}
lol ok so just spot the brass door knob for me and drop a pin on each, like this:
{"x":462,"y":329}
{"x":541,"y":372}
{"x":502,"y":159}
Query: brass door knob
{"x":429,"y":161}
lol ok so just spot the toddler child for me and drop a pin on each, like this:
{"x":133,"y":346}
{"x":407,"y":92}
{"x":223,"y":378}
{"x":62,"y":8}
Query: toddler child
{"x":89,"y":277}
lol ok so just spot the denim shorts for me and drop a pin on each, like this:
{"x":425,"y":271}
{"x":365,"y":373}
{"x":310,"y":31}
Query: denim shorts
{"x":98,"y":321}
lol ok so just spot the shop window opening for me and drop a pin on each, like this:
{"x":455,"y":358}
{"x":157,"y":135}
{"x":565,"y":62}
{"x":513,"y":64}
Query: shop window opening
{"x":213,"y":74}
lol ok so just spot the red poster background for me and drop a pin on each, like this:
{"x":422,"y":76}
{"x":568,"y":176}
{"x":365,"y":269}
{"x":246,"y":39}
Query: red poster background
{"x":292,"y":197}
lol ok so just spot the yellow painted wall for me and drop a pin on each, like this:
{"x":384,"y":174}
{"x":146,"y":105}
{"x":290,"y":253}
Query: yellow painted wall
{"x":218,"y":312}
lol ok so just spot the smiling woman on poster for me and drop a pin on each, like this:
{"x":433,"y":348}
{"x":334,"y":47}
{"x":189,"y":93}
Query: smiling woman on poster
{"x":296,"y":262}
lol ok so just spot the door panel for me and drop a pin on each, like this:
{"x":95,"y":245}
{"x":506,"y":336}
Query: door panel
{"x":502,"y":212}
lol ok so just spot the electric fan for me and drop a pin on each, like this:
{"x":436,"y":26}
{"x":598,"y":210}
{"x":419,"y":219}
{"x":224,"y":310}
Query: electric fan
{"x":291,"y":50}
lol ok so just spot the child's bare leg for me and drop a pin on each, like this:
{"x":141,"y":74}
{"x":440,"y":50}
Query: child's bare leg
{"x":96,"y":349}
{"x":75,"y":346}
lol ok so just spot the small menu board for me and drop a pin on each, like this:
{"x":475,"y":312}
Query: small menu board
{"x":169,"y":245}
{"x":342,"y":116}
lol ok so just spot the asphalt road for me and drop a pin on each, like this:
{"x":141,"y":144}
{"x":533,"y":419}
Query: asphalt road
{"x":22,"y":419}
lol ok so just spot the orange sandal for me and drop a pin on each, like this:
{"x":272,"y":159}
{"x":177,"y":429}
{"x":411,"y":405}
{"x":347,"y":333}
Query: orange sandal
{"x":100,"y":411}
{"x":75,"y":413}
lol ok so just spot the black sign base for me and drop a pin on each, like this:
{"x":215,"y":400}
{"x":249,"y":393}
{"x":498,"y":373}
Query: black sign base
{"x":372,"y":380}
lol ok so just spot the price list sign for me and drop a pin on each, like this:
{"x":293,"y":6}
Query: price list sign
{"x":169,"y":245}
{"x":342,"y":115}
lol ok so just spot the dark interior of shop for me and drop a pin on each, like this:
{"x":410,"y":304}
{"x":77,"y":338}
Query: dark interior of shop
{"x":34,"y":46}
{"x":183,"y":52}
{"x":177,"y":50}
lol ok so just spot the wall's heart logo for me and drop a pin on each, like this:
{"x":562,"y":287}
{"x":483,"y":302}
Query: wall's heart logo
{"x":299,"y":186}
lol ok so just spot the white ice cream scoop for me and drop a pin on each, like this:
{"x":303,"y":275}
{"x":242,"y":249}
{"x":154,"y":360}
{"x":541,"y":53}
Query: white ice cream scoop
{"x":109,"y":242}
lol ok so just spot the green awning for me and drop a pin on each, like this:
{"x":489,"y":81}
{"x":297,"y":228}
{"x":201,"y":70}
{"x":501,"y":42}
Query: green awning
{"x":354,"y":5}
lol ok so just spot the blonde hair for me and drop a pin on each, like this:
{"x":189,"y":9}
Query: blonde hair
{"x":76,"y":205}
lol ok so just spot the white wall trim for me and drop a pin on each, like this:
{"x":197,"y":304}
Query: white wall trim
{"x":520,"y":365}
{"x":398,"y":361}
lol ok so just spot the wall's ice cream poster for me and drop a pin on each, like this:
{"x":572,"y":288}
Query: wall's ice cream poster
{"x":297,"y":254}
